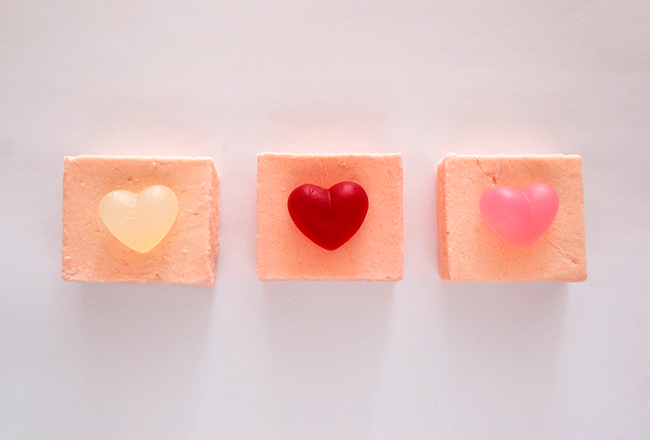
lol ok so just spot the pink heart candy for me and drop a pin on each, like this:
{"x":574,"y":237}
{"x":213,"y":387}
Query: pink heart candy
{"x":520,"y":216}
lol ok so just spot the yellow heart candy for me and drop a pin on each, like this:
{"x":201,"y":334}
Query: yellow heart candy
{"x":141,"y":220}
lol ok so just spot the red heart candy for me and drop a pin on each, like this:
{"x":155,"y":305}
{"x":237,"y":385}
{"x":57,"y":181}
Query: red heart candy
{"x":520,"y":216}
{"x":328,"y":217}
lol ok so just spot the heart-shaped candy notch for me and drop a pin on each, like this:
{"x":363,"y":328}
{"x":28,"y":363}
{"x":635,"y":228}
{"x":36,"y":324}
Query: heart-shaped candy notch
{"x":140,"y":221}
{"x":328,"y":217}
{"x":520,"y":216}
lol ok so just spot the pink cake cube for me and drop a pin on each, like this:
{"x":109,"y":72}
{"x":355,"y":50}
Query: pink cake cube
{"x":186,"y":255}
{"x":374,"y":253}
{"x":470,"y":251}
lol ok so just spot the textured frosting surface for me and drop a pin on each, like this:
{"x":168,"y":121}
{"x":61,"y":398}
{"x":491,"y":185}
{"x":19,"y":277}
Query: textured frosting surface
{"x":470,"y":251}
{"x":186,"y":255}
{"x":374,"y":253}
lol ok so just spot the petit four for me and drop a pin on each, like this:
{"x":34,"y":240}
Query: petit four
{"x":374,"y":252}
{"x":533,"y":230}
{"x":140,"y":219}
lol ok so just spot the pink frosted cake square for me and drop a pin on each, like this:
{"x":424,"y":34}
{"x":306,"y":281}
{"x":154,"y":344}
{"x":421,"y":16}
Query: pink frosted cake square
{"x":470,"y":251}
{"x":374,"y":253}
{"x":186,"y":255}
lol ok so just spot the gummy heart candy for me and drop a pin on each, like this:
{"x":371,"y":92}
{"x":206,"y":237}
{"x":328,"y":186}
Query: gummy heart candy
{"x":141,"y":220}
{"x":520,"y":216}
{"x":328,"y":217}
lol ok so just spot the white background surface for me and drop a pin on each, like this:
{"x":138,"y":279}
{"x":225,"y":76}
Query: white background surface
{"x":418,"y":359}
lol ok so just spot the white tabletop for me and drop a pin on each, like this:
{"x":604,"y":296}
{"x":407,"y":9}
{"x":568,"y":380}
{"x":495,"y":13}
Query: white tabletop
{"x":416,"y":359}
